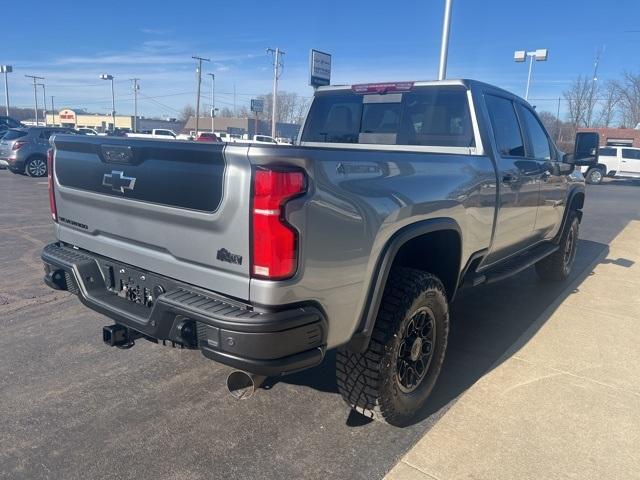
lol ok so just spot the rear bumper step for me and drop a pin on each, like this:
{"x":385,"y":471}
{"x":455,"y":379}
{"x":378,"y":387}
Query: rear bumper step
{"x":260,"y":341}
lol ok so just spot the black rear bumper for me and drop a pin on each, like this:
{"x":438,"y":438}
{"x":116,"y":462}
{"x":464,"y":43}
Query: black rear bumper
{"x":260,"y":341}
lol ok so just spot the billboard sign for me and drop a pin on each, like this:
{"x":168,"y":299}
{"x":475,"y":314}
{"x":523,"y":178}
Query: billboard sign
{"x":319,"y":68}
{"x":67,"y":116}
{"x":257,"y":105}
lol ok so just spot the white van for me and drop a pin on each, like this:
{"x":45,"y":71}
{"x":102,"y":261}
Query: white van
{"x":615,"y":162}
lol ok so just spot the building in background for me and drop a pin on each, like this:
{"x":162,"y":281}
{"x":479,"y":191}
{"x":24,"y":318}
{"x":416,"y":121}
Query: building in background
{"x":104,"y":122}
{"x":242,"y":126}
{"x":622,"y":137}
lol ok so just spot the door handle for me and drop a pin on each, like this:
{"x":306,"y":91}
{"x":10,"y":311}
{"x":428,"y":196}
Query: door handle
{"x":509,"y":178}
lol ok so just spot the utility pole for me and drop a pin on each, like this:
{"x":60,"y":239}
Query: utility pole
{"x":35,"y":94}
{"x":213,"y":99}
{"x":53,"y":112}
{"x":44,"y":103}
{"x":235,"y":109}
{"x":6,"y":69}
{"x":136,"y":87}
{"x":444,"y":42}
{"x":199,"y":71}
{"x":277,"y":70}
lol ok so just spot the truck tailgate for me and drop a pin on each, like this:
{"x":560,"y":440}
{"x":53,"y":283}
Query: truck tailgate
{"x":160,"y":205}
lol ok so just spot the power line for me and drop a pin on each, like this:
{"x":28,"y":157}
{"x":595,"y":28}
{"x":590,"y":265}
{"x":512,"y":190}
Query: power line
{"x":160,"y":103}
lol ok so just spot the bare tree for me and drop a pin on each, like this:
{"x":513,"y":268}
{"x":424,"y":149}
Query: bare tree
{"x":301,"y":110}
{"x":610,"y":98}
{"x":226,"y":112}
{"x":628,"y":90}
{"x":291,"y":107}
{"x":186,"y":113}
{"x":581,"y":98}
{"x":243,"y":112}
{"x":550,"y":122}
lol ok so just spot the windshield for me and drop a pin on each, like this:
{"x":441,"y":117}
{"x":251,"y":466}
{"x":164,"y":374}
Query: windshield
{"x":431,"y":116}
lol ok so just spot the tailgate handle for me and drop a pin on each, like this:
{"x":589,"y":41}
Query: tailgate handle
{"x":116,"y":153}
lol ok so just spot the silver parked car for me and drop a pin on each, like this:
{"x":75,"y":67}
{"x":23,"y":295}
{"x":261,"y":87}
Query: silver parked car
{"x":24,"y":150}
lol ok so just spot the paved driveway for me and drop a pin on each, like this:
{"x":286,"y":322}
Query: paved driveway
{"x":72,"y":408}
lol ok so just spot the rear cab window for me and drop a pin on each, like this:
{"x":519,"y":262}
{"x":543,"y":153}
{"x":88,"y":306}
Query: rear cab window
{"x":429,"y":116}
{"x":14,"y":134}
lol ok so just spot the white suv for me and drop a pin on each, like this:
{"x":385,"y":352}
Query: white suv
{"x":615,"y":162}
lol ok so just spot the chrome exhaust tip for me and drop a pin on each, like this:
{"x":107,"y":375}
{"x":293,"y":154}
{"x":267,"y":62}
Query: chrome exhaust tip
{"x":242,"y":385}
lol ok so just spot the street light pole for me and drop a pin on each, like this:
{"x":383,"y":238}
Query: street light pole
{"x":444,"y":42}
{"x":276,"y":75}
{"x":199,"y":71}
{"x":136,"y":87}
{"x":6,"y":69}
{"x":539,"y":55}
{"x":35,"y":94}
{"x":526,"y":93}
{"x":213,"y":100}
{"x":113,"y":104}
{"x":106,"y":76}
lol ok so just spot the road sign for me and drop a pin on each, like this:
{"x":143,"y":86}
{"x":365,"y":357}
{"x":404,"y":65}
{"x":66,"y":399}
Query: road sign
{"x":257,"y":105}
{"x":319,"y":68}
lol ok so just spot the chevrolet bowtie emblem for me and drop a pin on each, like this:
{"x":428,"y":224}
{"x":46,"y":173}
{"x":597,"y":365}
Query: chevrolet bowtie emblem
{"x":118,"y":182}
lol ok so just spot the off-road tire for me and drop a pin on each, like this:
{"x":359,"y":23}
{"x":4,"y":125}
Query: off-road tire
{"x":36,"y":167}
{"x":369,"y":382}
{"x":594,"y":176}
{"x":557,"y":266}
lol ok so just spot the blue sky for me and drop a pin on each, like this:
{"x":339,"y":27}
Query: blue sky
{"x":370,"y":41}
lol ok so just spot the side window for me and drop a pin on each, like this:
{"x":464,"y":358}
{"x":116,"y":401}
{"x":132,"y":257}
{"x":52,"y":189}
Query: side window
{"x":45,"y":134}
{"x":607,"y":152}
{"x":633,"y":154}
{"x":539,"y":139}
{"x":505,"y":126}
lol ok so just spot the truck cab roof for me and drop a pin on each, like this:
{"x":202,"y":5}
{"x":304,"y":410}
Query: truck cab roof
{"x":411,"y":84}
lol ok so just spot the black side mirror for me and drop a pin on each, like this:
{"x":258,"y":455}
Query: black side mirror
{"x":585,"y":150}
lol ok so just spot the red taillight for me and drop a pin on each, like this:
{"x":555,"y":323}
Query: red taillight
{"x":275,"y":242}
{"x":18,"y":145}
{"x":52,"y":197}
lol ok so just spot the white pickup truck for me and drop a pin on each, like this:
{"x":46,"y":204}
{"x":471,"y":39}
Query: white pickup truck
{"x":154,"y":133}
{"x":615,"y":162}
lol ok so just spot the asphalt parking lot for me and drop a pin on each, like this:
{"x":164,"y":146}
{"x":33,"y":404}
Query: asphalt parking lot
{"x":71,"y":407}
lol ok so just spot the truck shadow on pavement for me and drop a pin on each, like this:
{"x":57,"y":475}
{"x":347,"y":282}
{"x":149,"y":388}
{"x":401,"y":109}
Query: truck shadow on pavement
{"x":488,"y":325}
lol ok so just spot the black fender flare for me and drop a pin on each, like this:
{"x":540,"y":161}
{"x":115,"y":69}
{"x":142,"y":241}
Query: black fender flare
{"x":575,"y":202}
{"x":360,"y":339}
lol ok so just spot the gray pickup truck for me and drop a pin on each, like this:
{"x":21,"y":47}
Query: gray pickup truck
{"x":357,"y":238}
